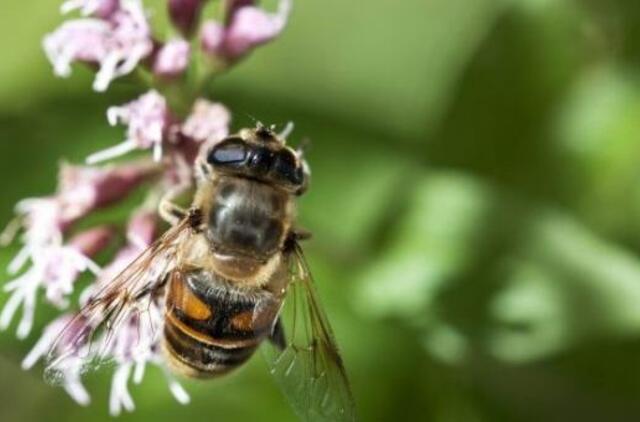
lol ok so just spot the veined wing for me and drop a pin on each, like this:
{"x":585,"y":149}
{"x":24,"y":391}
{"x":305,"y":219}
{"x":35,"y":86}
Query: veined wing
{"x":128,"y":301}
{"x":309,"y":369}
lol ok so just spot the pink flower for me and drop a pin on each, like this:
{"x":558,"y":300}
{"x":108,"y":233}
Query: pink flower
{"x":246,"y":27}
{"x":142,"y":229}
{"x":147,"y":119}
{"x":68,"y":375}
{"x":55,"y":268}
{"x":84,"y":189}
{"x":44,"y":221}
{"x":172,"y":59}
{"x":185,"y":14}
{"x":100,"y":8}
{"x":54,"y":264}
{"x":208,"y":122}
{"x":80,"y":191}
{"x":64,"y":265}
{"x":136,"y":342}
{"x":212,"y":38}
{"x":117,"y":45}
{"x":141,"y":232}
{"x":91,"y":242}
{"x":114,"y":37}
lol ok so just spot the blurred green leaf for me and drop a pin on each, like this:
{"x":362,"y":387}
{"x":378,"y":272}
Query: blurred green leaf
{"x":572,"y":286}
{"x":598,"y":127}
{"x":392,"y":66}
{"x":431,"y":245}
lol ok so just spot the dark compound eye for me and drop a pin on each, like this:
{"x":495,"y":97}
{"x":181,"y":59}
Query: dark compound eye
{"x":228,"y":152}
{"x":287,"y":168}
{"x":298,"y":176}
{"x":261,"y":160}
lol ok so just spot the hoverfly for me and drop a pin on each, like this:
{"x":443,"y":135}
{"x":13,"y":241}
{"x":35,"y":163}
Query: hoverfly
{"x":222,"y":273}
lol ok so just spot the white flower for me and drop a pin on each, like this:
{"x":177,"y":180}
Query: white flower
{"x":208,"y":122}
{"x":81,"y":190}
{"x":44,"y":221}
{"x":132,"y":345}
{"x":117,"y":45}
{"x":55,"y":267}
{"x":100,"y":8}
{"x":136,"y":342}
{"x":147,"y":119}
{"x":135,"y":345}
{"x":69,"y":375}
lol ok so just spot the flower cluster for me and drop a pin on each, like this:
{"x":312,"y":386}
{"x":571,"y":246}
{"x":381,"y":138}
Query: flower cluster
{"x":115,"y":38}
{"x":244,"y":28}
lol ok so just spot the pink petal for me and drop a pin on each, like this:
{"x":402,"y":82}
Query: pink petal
{"x":208,"y":122}
{"x":116,"y":45}
{"x":252,"y":26}
{"x":147,"y":119}
{"x":91,"y":242}
{"x":142,"y":229}
{"x":172,"y":59}
{"x":212,"y":37}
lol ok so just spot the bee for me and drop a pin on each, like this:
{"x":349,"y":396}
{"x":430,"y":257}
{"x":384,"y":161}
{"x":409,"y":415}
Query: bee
{"x":223,"y":272}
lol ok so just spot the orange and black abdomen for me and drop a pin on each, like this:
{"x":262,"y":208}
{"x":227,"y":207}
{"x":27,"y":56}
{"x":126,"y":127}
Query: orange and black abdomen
{"x":211,"y":327}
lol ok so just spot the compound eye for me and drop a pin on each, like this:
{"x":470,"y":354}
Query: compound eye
{"x":228,"y":152}
{"x":298,"y":176}
{"x":287,"y":168}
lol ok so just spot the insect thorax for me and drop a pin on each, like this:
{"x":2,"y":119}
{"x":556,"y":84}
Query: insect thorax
{"x":248,"y":217}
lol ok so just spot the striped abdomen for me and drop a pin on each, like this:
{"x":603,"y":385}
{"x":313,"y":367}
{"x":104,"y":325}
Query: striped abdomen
{"x":210,"y":327}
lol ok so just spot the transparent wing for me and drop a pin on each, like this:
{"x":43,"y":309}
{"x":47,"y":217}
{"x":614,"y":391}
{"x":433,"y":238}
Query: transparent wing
{"x":309,"y":368}
{"x":128,"y":301}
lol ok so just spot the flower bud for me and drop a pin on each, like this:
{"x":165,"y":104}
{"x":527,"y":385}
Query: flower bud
{"x":246,"y":28}
{"x":142,"y":229}
{"x":91,"y":242}
{"x":172,"y":59}
{"x":232,"y":7}
{"x":106,"y":8}
{"x":212,"y":37}
{"x":185,"y":14}
{"x":251,"y":27}
{"x":84,"y":189}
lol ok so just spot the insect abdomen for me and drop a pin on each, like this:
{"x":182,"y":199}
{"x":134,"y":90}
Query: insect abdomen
{"x":211,"y":328}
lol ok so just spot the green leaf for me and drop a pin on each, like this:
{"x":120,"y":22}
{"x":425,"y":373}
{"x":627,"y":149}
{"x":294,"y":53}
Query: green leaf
{"x":434,"y":243}
{"x":400,"y":59}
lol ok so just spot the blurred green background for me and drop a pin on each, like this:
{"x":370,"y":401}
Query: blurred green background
{"x":475,"y":203}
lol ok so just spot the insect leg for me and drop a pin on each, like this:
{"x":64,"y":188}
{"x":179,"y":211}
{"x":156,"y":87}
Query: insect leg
{"x":168,"y":210}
